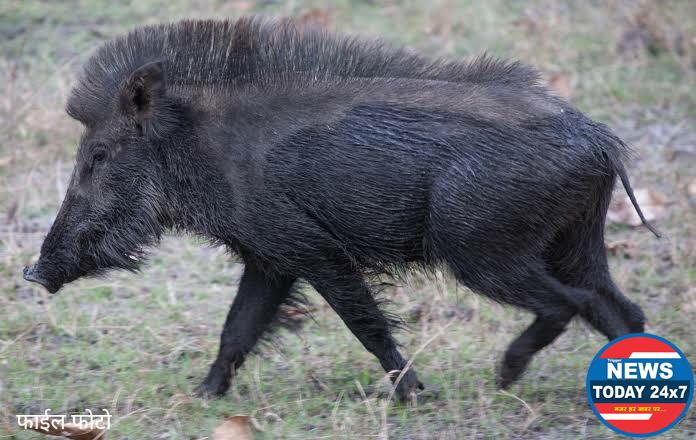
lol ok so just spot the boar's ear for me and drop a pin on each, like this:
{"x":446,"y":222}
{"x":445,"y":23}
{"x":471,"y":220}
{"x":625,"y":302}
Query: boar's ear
{"x":142,"y":90}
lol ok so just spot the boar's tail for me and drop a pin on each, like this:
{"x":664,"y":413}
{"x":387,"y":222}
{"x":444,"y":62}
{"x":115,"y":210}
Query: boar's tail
{"x":621,"y":171}
{"x":616,"y":151}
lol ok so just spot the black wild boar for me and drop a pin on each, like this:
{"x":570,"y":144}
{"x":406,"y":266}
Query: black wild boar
{"x":332,"y":159}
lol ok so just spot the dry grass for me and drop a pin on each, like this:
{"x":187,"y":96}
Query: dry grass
{"x":138,"y":344}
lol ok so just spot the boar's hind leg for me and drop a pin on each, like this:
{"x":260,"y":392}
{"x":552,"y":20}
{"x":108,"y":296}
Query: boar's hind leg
{"x":544,"y":330}
{"x":351,"y":298}
{"x":554,"y":305}
{"x":630,"y":312}
{"x":577,"y":257}
{"x":254,"y":308}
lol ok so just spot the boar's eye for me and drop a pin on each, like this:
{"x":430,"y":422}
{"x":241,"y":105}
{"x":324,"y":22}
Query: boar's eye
{"x":99,"y":155}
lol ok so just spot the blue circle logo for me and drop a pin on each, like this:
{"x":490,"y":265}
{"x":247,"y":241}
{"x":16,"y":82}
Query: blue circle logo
{"x":640,"y":385}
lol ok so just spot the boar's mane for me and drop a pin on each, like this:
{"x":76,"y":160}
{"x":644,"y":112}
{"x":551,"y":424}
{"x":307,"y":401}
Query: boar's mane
{"x":252,"y":49}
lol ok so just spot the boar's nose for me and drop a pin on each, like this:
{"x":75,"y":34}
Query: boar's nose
{"x":33,"y":274}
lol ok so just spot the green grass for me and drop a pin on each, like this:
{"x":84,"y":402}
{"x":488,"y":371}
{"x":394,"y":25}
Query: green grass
{"x":138,"y":344}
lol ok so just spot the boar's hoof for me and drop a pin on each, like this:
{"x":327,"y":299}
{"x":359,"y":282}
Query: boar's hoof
{"x":509,"y":373}
{"x":214,"y":385}
{"x":503,"y":382}
{"x":408,"y":386}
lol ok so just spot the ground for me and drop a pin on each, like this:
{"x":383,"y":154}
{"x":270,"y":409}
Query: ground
{"x":138,"y":344}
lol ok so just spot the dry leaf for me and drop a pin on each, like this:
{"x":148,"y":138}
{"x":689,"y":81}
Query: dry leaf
{"x":526,"y":23}
{"x":652,"y":203}
{"x":243,"y":6}
{"x":560,"y":84}
{"x":297,"y":313}
{"x":619,"y":247}
{"x":318,"y":17}
{"x":234,"y":428}
{"x":73,"y":431}
{"x":692,"y":188}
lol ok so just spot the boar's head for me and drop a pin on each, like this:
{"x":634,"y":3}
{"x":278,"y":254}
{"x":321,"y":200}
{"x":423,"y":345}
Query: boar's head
{"x":114,"y":205}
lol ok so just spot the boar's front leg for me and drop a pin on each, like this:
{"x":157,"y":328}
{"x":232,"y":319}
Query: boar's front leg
{"x":349,"y":296}
{"x":254,"y":308}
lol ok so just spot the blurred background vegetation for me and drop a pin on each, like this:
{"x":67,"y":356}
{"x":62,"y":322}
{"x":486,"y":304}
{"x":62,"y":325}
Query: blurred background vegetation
{"x":138,"y":344}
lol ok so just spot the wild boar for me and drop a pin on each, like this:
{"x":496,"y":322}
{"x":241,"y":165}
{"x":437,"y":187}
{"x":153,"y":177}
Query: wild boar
{"x":332,"y":159}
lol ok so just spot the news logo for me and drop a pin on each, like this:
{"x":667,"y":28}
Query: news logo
{"x":640,"y":385}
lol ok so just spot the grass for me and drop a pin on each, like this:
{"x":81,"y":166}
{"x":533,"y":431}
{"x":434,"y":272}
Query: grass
{"x":137,"y":345}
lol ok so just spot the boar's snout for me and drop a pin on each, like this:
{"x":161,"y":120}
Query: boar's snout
{"x":34,"y":274}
